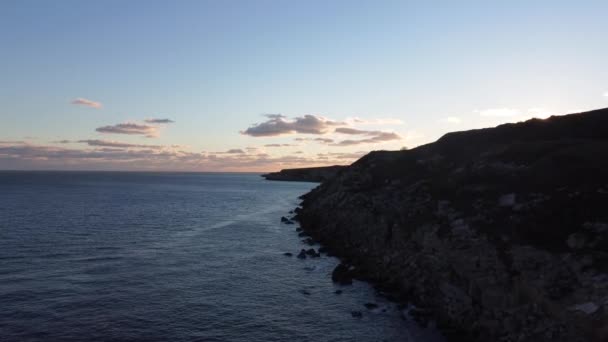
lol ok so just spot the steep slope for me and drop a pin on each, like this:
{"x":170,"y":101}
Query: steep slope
{"x":501,"y":233}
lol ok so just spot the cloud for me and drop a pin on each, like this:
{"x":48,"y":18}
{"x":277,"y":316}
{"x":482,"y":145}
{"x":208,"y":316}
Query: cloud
{"x":159,"y":121}
{"x":342,"y":155}
{"x":279,"y":125}
{"x":275,"y":116}
{"x":354,"y":131}
{"x":131,"y":129}
{"x":451,"y":120}
{"x":606,"y":94}
{"x":106,"y":143}
{"x":380,"y":121}
{"x":374,"y":136}
{"x":85,"y":102}
{"x":321,"y":140}
{"x":26,"y":156}
{"x":279,"y":145}
{"x":235,"y":151}
{"x":377,"y":137}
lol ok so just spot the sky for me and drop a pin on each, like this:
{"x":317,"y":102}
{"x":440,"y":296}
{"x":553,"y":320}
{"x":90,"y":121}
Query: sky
{"x":265,"y":85}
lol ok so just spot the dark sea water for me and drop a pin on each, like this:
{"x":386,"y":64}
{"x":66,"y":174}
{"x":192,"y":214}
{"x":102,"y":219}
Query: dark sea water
{"x":87,"y":256}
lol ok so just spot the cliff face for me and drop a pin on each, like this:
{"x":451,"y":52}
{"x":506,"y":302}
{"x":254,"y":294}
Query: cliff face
{"x":501,"y":233}
{"x":308,"y":174}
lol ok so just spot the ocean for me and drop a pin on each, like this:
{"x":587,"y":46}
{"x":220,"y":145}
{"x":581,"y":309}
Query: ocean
{"x":120,"y":256}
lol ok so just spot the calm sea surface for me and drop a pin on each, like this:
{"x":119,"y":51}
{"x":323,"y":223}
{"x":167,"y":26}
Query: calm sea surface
{"x":101,"y":256}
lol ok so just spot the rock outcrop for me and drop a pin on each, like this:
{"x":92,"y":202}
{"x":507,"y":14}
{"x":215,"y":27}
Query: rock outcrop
{"x":308,"y":174}
{"x":501,"y":233}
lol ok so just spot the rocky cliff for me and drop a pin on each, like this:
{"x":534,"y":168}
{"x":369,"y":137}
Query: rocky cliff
{"x":501,"y":234}
{"x":308,"y":174}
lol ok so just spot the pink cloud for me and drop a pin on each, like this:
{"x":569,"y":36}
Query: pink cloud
{"x":85,"y":102}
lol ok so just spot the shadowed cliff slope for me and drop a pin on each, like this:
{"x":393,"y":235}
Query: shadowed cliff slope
{"x":502,"y":233}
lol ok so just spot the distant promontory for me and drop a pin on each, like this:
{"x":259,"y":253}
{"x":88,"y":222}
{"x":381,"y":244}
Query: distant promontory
{"x":307,"y":174}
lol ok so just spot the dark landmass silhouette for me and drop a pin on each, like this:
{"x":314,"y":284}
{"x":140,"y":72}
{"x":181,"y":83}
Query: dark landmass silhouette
{"x":307,"y":174}
{"x":499,"y":234}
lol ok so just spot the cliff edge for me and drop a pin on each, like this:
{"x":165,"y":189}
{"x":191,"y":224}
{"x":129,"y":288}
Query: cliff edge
{"x":500,"y":233}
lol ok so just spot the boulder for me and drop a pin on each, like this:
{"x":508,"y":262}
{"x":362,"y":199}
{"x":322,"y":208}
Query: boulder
{"x":342,"y":275}
{"x":311,"y":252}
{"x":309,"y":241}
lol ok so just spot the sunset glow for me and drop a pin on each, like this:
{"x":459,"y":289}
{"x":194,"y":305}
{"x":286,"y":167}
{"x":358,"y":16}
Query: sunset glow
{"x":260,"y":86}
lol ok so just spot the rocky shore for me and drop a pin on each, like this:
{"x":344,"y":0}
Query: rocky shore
{"x":308,"y":174}
{"x":500,"y":234}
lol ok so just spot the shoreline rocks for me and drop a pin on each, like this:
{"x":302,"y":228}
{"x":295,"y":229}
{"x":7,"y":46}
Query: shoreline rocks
{"x":342,"y":275}
{"x":302,"y":254}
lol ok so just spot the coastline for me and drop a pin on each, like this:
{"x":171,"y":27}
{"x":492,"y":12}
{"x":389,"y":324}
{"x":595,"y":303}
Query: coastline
{"x":499,"y":234}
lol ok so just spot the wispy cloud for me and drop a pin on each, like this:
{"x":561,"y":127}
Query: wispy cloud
{"x":354,"y":131}
{"x":606,"y":94}
{"x":374,"y":136}
{"x":321,"y":140}
{"x":378,"y":137}
{"x":11,"y":142}
{"x":342,"y":155}
{"x":107,"y":143}
{"x":130,"y":129}
{"x":451,"y":120}
{"x":278,"y":124}
{"x":380,"y":121}
{"x":279,"y":145}
{"x":235,"y":151}
{"x":159,"y":121}
{"x":101,"y":157}
{"x":85,"y":102}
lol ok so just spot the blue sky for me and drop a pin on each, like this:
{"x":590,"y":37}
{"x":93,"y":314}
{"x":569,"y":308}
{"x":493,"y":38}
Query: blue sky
{"x":215,"y":68}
